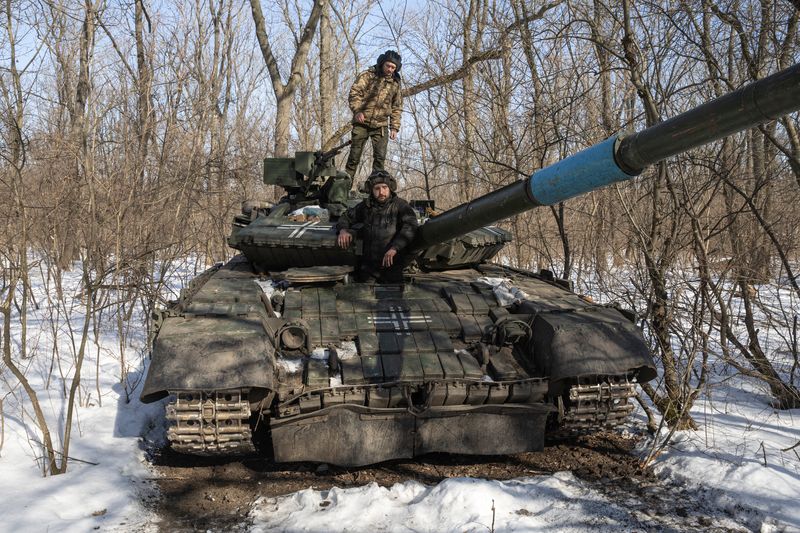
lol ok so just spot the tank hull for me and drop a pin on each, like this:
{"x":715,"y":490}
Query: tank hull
{"x":353,"y":374}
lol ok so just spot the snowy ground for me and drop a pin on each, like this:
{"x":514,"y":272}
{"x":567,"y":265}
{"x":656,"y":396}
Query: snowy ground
{"x":734,"y":464}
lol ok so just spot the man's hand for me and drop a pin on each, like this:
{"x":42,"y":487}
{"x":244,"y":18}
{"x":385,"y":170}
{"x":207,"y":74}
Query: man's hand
{"x":388,"y":258}
{"x":360,"y":118}
{"x":393,"y":134}
{"x":345,"y":238}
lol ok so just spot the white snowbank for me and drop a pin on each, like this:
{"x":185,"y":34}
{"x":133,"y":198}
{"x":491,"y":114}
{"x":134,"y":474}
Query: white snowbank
{"x":559,"y":503}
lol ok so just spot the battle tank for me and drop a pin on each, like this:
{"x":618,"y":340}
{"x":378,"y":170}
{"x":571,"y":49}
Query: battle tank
{"x":278,"y":351}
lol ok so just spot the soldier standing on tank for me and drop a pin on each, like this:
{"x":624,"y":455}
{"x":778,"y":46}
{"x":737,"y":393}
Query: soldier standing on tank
{"x":377,"y":104}
{"x":387,"y":225}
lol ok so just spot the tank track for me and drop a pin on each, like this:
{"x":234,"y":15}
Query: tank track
{"x":594,"y":405}
{"x":210,"y":423}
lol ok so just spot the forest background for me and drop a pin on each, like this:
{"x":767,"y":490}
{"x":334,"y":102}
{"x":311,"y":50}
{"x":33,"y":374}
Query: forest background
{"x":132,"y":132}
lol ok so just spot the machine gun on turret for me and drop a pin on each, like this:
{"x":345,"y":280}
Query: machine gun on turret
{"x":300,"y":175}
{"x":323,"y":158}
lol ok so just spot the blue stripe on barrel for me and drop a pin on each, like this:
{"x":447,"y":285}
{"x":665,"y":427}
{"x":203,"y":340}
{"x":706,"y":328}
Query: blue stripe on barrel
{"x":585,"y":171}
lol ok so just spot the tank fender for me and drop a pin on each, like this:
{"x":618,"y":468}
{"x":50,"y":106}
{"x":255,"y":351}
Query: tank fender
{"x":209,"y":353}
{"x":592,"y":342}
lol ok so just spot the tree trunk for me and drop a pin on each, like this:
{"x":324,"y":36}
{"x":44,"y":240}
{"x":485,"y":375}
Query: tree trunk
{"x":284,"y":92}
{"x":144,"y":88}
{"x":658,"y":246}
{"x":327,"y":79}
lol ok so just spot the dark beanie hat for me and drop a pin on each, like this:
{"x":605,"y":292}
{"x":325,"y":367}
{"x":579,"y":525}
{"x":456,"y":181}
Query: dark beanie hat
{"x":392,"y":57}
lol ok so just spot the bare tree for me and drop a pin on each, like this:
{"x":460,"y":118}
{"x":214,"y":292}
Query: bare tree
{"x":752,"y":220}
{"x":284,"y":92}
{"x":327,"y":80}
{"x":13,"y":260}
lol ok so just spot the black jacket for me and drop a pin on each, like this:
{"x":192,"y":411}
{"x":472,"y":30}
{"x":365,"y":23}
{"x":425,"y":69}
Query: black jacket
{"x":381,"y":226}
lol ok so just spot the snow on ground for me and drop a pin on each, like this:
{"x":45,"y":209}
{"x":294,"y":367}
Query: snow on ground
{"x":559,"y":502}
{"x":720,"y":468}
{"x":739,"y":450}
{"x":735,"y":462}
{"x":108,"y":475}
{"x":104,"y":491}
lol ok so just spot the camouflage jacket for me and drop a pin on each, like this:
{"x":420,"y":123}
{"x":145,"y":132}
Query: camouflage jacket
{"x":381,"y":226}
{"x":378,"y":97}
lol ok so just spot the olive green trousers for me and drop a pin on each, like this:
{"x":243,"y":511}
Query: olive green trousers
{"x":380,"y":142}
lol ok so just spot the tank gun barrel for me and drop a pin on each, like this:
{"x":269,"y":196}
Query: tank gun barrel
{"x":622,"y":157}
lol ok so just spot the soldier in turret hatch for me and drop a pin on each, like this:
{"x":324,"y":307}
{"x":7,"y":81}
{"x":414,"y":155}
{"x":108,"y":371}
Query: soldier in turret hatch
{"x":377,"y":104}
{"x":387,"y":225}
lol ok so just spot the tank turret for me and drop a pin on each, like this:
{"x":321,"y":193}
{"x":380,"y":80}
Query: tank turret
{"x":296,"y":232}
{"x":464,"y":235}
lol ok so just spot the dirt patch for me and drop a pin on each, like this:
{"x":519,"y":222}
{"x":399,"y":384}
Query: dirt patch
{"x":199,"y":494}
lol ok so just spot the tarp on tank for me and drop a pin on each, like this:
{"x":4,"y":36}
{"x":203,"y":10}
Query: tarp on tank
{"x":597,"y":341}
{"x":206,"y":353}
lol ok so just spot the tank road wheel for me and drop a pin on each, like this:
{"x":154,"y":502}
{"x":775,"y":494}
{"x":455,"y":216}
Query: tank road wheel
{"x":210,"y":423}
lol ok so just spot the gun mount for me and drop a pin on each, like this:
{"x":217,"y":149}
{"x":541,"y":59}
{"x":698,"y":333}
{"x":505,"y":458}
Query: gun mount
{"x":300,"y":175}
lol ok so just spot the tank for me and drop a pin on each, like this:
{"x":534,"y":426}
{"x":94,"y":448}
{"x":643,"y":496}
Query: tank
{"x":279,"y":352}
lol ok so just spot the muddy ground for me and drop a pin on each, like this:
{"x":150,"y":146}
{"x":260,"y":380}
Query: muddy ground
{"x":198,"y":494}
